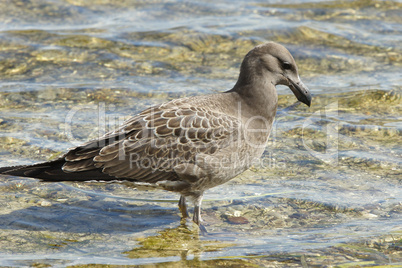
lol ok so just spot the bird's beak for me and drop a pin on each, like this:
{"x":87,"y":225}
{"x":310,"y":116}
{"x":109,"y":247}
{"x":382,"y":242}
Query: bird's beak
{"x":301,"y":92}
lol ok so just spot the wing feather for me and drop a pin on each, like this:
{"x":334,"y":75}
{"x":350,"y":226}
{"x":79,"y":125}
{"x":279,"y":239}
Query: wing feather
{"x":149,"y":146}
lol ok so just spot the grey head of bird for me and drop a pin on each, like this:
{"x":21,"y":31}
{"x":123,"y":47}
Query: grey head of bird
{"x":272,"y":63}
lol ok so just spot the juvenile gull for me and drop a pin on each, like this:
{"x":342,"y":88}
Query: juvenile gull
{"x":187,"y":145}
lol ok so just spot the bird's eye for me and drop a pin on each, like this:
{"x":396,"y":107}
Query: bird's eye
{"x":286,"y":65}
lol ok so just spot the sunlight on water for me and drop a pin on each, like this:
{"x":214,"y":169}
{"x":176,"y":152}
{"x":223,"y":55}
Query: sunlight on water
{"x":327,"y":188}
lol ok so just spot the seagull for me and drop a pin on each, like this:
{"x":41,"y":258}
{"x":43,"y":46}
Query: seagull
{"x":187,"y":145}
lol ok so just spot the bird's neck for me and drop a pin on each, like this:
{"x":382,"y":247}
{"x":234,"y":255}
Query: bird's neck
{"x":259,"y":96}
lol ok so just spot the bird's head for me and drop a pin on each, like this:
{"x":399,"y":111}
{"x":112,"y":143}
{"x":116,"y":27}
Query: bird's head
{"x":273,"y":62}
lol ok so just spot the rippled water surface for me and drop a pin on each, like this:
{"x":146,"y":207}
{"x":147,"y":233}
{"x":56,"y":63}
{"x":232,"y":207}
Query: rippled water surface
{"x":327,"y":191}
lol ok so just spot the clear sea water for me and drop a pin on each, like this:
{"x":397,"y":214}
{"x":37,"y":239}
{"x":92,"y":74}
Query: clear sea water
{"x":331,"y":175}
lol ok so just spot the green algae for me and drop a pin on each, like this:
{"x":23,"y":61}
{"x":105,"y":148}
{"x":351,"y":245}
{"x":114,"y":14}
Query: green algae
{"x":50,"y":72}
{"x":179,"y":241}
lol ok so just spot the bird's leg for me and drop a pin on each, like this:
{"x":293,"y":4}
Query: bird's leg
{"x":183,"y":207}
{"x":197,"y":219}
{"x":197,"y":214}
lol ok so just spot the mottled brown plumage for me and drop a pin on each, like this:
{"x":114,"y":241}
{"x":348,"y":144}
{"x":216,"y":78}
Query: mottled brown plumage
{"x":191,"y":144}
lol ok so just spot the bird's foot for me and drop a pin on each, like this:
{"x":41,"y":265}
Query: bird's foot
{"x":197,"y":220}
{"x":203,"y":230}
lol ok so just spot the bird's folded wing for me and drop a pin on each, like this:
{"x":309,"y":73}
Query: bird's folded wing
{"x":148,"y":146}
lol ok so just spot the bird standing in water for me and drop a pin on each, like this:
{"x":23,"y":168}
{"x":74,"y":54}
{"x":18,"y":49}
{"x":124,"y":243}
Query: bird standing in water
{"x":187,"y":145}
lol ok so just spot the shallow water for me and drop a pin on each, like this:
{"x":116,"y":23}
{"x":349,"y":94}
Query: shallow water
{"x":327,"y":191}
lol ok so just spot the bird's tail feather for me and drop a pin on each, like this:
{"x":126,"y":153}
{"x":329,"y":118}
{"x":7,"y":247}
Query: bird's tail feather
{"x":52,"y":171}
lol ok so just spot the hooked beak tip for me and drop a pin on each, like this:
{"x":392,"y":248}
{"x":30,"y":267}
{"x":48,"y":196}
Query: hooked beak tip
{"x":308,"y":99}
{"x":301,"y":92}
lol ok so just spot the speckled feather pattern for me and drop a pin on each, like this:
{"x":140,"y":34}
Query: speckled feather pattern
{"x":151,"y":145}
{"x":190,"y":144}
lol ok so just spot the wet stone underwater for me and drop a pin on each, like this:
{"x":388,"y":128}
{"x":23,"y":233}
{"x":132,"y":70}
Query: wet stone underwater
{"x":326,"y":193}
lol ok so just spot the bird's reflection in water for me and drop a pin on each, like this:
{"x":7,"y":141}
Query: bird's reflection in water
{"x":184,"y":241}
